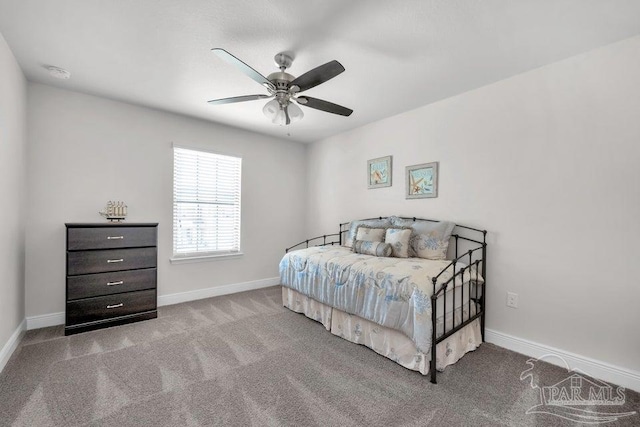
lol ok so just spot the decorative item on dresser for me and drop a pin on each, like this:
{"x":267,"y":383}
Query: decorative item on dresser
{"x":111,"y":274}
{"x":114,"y":211}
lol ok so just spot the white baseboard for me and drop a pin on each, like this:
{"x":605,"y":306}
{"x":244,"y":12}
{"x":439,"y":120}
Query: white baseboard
{"x":215,"y":291}
{"x":45,"y":320}
{"x":595,"y":368}
{"x":54,"y":319}
{"x":12,"y":344}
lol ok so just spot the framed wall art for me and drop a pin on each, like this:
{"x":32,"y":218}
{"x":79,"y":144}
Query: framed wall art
{"x":422,"y":181}
{"x":379,"y":172}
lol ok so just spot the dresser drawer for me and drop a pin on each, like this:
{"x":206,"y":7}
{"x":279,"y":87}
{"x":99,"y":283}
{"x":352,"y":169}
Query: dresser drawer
{"x":107,"y":307}
{"x":110,"y":237}
{"x":86,"y":262}
{"x":94,"y":285}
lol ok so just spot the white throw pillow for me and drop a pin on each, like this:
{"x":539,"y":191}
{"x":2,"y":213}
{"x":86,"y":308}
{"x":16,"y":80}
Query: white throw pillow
{"x":429,"y":240}
{"x":350,"y":236}
{"x":370,"y":234}
{"x":399,"y":239}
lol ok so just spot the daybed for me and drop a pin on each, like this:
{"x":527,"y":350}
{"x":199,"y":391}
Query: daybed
{"x":387,"y":302}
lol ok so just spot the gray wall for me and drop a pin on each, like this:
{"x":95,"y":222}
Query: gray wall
{"x":13,"y":88}
{"x":85,"y":150}
{"x":547,"y":162}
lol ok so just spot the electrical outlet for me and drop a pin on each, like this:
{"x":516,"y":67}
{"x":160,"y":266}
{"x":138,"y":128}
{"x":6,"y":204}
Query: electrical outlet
{"x":512,"y":300}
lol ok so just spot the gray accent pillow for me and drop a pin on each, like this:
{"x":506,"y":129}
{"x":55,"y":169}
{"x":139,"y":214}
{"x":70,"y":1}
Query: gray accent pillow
{"x":353,"y":228}
{"x":399,"y":239}
{"x":429,"y":240}
{"x":372,"y":248}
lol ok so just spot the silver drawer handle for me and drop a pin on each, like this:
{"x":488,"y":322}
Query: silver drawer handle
{"x":115,"y":305}
{"x":120,"y":282}
{"x":115,"y":237}
{"x":114,"y":260}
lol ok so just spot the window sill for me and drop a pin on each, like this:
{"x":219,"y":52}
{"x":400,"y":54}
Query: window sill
{"x":204,"y":258}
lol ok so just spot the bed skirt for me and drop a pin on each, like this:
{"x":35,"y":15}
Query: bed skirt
{"x":387,"y":342}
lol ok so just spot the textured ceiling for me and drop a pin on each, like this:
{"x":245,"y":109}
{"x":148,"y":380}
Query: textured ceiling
{"x":398,"y":54}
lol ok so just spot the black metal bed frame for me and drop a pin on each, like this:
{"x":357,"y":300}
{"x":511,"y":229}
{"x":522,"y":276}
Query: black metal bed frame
{"x":476,"y":256}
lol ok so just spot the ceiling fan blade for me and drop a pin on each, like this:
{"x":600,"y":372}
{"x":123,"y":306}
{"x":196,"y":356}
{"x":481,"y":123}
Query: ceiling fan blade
{"x":318,"y":75}
{"x":327,"y":106}
{"x":223,"y":54}
{"x":238,"y":99}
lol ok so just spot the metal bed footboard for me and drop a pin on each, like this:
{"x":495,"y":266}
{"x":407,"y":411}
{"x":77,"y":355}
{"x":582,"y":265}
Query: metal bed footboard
{"x":474,"y":256}
{"x":475,"y":265}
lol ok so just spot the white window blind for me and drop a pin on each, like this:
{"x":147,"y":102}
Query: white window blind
{"x":206,"y":203}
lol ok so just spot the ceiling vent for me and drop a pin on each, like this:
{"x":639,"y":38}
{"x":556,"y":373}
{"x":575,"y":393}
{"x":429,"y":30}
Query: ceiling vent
{"x":58,"y":73}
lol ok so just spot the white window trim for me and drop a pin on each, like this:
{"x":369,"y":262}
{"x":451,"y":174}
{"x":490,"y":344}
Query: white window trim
{"x":202,"y":257}
{"x":206,"y":150}
{"x":205,"y":258}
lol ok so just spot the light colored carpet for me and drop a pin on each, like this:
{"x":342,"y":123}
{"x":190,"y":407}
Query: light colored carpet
{"x":245,"y":360}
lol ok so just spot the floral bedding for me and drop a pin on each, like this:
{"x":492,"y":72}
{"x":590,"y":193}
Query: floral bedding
{"x":392,"y":292}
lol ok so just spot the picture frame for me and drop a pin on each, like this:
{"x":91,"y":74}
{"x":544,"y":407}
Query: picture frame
{"x":422,"y":181}
{"x":379,"y":172}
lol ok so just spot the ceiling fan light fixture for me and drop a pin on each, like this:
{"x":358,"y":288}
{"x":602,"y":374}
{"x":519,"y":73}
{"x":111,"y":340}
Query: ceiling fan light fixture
{"x":275,"y":112}
{"x":280,"y":119}
{"x":295,"y":113}
{"x":271,"y":110}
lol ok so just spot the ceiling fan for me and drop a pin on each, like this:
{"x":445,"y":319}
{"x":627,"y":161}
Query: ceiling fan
{"x":284,"y":88}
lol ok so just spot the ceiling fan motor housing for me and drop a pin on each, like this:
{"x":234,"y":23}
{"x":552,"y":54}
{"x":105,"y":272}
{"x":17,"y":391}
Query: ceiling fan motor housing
{"x":281,"y":81}
{"x":283,"y":60}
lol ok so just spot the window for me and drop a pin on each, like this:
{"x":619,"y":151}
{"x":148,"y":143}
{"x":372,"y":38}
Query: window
{"x":206,"y":204}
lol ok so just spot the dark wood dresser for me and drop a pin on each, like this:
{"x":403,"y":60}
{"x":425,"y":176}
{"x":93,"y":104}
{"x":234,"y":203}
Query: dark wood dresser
{"x":111,"y":274}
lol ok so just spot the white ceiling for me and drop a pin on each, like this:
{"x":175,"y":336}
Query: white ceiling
{"x":398,"y":54}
